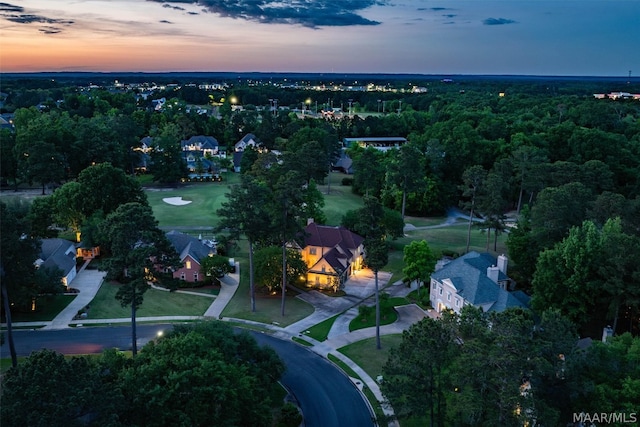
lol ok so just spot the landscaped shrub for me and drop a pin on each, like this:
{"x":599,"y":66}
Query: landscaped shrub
{"x":347,"y":181}
{"x":450,"y":254}
{"x":365,"y":311}
{"x":289,"y":416}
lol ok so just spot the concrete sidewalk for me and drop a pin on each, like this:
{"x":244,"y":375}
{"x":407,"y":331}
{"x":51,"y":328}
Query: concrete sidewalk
{"x":228,"y":288}
{"x":359,"y":291}
{"x":88,"y":282}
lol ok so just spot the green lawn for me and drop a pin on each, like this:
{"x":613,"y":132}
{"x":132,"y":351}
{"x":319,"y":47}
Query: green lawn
{"x":268,"y":308}
{"x":365,"y":354}
{"x":320,"y":331}
{"x":156,"y":303}
{"x":452,"y":238}
{"x":47,"y":307}
{"x":206,"y":199}
{"x":339,"y":200}
{"x":387,"y":314}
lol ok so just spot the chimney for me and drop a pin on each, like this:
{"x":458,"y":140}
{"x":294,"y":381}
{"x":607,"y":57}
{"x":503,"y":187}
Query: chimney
{"x":607,"y":333}
{"x":492,"y":273}
{"x":309,"y":221}
{"x":503,"y":261}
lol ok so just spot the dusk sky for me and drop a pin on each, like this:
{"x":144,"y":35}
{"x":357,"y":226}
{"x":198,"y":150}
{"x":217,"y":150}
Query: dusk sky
{"x":537,"y":37}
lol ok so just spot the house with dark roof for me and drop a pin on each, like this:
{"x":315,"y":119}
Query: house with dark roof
{"x":382,"y":143}
{"x":477,"y":279}
{"x":332,"y":255}
{"x":249,"y":140}
{"x":191,"y":251}
{"x":58,"y":254}
{"x":206,"y":145}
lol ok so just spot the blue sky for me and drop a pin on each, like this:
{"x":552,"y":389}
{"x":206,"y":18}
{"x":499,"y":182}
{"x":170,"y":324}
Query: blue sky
{"x":562,"y":37}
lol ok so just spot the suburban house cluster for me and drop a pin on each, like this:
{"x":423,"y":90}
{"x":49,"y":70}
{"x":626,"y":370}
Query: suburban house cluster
{"x":199,"y":153}
{"x":63,"y":254}
{"x":476,"y":279}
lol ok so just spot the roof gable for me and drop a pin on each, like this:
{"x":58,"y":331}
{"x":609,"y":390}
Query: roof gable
{"x":330,"y":237}
{"x":468,"y":275}
{"x":187,"y":245}
{"x":58,"y":253}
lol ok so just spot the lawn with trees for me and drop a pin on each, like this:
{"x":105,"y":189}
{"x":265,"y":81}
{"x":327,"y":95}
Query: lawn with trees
{"x":565,"y":163}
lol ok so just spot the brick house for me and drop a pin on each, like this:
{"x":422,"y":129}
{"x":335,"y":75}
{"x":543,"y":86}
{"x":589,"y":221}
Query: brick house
{"x":191,"y":251}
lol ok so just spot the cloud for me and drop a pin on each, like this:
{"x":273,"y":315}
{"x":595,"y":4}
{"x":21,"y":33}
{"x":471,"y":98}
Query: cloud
{"x":6,"y":7}
{"x":164,"y":21}
{"x":437,"y":9}
{"x":15,"y":14}
{"x":167,"y":5}
{"x":307,"y":13}
{"x":50,"y":30}
{"x":498,"y":21}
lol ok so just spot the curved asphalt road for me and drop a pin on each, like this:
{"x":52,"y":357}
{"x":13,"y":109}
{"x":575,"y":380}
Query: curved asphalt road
{"x":325,"y":395}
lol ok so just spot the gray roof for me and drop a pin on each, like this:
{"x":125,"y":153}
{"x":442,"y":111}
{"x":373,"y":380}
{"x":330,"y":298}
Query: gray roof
{"x":468,"y":274}
{"x":185,"y":245}
{"x":53,"y":254}
{"x":205,"y":142}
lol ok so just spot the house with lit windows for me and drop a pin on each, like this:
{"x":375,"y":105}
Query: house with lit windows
{"x":477,"y":279}
{"x":332,"y":255}
{"x":58,"y":254}
{"x":191,"y":251}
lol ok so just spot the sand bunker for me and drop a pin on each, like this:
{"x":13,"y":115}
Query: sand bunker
{"x":176,"y":201}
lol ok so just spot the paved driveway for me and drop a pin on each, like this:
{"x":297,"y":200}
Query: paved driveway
{"x":362,"y":283}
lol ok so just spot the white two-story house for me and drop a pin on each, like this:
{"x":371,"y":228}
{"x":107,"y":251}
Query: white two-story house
{"x":477,"y":279}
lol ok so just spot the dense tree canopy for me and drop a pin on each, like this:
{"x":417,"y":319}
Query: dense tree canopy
{"x":198,"y":375}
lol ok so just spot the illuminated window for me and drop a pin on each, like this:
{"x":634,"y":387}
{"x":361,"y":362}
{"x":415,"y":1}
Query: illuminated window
{"x":188,"y":265}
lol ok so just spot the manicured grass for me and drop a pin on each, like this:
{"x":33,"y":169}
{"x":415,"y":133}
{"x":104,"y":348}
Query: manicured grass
{"x":423,"y":222}
{"x":206,"y":199}
{"x":301,"y":341}
{"x":47,"y":307}
{"x":452,"y":238}
{"x":339,"y":200}
{"x":156,"y":303}
{"x":268,"y":308}
{"x":387,"y":314}
{"x":320,"y":332}
{"x":365,"y":354}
